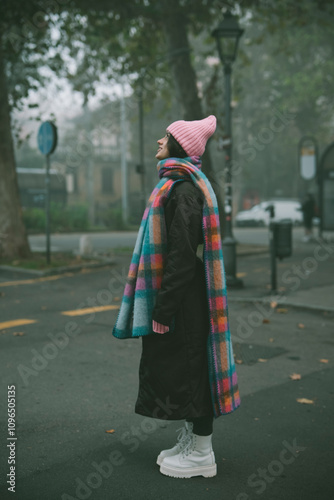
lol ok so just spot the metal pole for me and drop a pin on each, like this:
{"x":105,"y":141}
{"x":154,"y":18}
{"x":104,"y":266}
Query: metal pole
{"x":47,"y":208}
{"x":90,"y":166}
{"x":229,"y":243}
{"x":124,"y":168}
{"x":272,"y":258}
{"x":320,"y":183}
{"x":141,"y":144}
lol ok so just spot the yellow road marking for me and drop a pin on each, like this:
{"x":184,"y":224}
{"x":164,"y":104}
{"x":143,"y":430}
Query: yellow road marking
{"x":89,"y":310}
{"x":35,"y":280}
{"x":16,"y":322}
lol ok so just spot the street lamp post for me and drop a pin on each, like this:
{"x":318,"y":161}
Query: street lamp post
{"x":140,"y":168}
{"x":227,"y":35}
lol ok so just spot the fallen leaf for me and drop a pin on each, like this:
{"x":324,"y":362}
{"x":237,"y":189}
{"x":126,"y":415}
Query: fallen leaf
{"x":241,"y":275}
{"x":256,"y":418}
{"x":273,"y":304}
{"x":281,"y":310}
{"x":265,"y":320}
{"x":295,"y":376}
{"x":301,"y":325}
{"x":18,"y":334}
{"x":239,"y":361}
{"x":262,"y":360}
{"x":271,"y":339}
{"x":116,"y":299}
{"x":111,"y":431}
{"x":323,"y":360}
{"x":43,"y":308}
{"x":305,"y":401}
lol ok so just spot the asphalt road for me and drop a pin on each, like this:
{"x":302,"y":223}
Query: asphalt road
{"x":106,"y":241}
{"x":111,"y":240}
{"x":74,"y":381}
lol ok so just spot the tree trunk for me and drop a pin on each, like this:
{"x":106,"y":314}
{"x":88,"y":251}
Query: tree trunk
{"x":175,"y":31}
{"x":13,"y":238}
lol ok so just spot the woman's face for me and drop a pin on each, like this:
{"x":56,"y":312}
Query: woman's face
{"x":163,"y":152}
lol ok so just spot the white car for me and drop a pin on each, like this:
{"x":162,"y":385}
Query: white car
{"x":259,"y":216}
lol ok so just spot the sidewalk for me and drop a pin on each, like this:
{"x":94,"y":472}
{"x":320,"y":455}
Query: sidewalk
{"x":78,"y":435}
{"x":303,"y":280}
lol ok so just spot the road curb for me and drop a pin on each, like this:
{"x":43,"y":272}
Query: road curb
{"x":265,"y":300}
{"x":58,"y":270}
{"x":251,"y":253}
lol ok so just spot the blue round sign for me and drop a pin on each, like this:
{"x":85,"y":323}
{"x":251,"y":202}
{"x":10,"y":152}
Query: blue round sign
{"x":47,"y":138}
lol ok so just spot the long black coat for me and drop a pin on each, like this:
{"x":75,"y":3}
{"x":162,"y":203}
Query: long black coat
{"x":173,"y":373}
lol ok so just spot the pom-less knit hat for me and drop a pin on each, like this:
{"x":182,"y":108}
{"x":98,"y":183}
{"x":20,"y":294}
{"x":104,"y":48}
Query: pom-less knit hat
{"x":193,"y":136}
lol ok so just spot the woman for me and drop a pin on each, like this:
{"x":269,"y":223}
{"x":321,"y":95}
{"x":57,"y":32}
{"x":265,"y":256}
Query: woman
{"x":177,"y":303}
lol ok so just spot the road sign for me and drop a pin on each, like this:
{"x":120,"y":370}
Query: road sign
{"x":308,"y":158}
{"x":47,"y":138}
{"x":47,"y":142}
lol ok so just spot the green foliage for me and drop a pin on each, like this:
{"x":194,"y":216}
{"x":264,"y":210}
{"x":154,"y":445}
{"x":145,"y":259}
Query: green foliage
{"x":34,"y":219}
{"x":291,"y":72}
{"x":285,"y":62}
{"x":71,"y":218}
{"x":112,"y":219}
{"x":26,"y":39}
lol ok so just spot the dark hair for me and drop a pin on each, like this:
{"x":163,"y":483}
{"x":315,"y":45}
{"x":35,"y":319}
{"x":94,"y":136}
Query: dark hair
{"x":174,"y":148}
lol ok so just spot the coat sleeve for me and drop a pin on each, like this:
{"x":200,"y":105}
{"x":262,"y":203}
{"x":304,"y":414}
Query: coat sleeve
{"x":183,"y":236}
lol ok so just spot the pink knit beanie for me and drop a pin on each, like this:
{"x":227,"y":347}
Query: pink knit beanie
{"x":193,"y":136}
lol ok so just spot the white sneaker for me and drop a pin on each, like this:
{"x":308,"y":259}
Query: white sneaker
{"x":183,"y":439}
{"x":196,"y":459}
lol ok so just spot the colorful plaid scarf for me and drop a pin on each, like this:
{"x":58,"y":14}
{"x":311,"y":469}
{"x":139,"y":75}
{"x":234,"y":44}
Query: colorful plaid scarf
{"x":146,"y":272}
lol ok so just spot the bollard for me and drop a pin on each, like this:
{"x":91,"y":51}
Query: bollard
{"x":283,"y":238}
{"x":272,"y":256}
{"x":280,"y":237}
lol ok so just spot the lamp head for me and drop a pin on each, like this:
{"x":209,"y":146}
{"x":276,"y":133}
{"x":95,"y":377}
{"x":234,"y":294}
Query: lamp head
{"x":227,"y":34}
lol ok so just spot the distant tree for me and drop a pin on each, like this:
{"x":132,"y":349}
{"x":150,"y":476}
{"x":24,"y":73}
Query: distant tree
{"x":25,"y":42}
{"x":12,"y":50}
{"x":131,"y":38}
{"x":153,"y":41}
{"x":33,"y":40}
{"x":289,"y":70}
{"x":148,"y":42}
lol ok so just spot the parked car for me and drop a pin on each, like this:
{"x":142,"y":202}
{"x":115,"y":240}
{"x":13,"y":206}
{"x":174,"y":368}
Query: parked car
{"x":259,"y":215}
